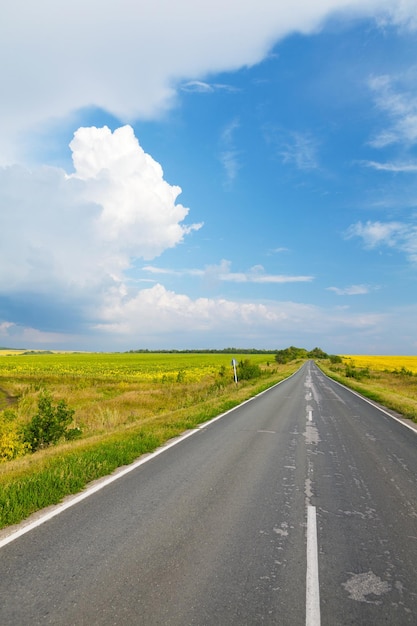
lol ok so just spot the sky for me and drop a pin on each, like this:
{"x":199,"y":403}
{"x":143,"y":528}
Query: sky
{"x":197,"y":175}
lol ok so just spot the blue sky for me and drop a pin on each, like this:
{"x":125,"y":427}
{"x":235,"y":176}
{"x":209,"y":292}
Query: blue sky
{"x":210,"y":176}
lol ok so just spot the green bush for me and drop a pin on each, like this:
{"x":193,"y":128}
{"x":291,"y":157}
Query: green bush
{"x":335,"y":358}
{"x":50,"y":424}
{"x":352,"y":372}
{"x":247,"y":370}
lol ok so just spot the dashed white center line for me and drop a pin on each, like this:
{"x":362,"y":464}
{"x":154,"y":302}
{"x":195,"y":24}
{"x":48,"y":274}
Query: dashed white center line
{"x":312,"y":577}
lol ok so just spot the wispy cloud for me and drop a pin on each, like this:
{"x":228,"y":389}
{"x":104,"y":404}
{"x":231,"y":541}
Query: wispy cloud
{"x":301,"y":149}
{"x":395,"y":167}
{"x":199,"y":86}
{"x":165,"y":271}
{"x":222,"y":272}
{"x":400,"y":236}
{"x":353,"y":290}
{"x":296,"y":148}
{"x":397,"y":97}
{"x":376,"y":233}
{"x":279,"y":250}
{"x":229,"y":155}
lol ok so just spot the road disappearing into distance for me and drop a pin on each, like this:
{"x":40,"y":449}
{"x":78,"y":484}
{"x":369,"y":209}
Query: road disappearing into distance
{"x":298,"y":507}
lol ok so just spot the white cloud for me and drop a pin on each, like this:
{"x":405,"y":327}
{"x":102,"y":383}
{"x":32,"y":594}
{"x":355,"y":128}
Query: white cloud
{"x":397,"y":235}
{"x":222,"y":272}
{"x":152,"y":269}
{"x":128,"y":58}
{"x":376,"y":233}
{"x":28,"y":337}
{"x":392,"y":167}
{"x":5,"y":327}
{"x":199,"y":86}
{"x":397,"y":98}
{"x":157,"y":310}
{"x":139,"y":211}
{"x":300,"y":149}
{"x":352,"y":290}
{"x":230,"y":162}
{"x":75,"y":235}
{"x":160,"y":312}
{"x":158,"y":318}
{"x":229,"y":155}
{"x":279,"y":250}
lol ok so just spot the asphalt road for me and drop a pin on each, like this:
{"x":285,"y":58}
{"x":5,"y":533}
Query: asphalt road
{"x":299,"y":507}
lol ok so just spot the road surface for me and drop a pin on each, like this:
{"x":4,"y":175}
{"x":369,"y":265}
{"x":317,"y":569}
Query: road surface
{"x":298,"y":507}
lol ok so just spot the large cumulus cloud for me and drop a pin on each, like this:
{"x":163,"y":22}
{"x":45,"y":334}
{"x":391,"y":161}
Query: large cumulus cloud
{"x":66,"y":239}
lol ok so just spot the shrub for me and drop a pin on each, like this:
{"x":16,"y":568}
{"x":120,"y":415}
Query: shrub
{"x":246,"y":370}
{"x":335,"y":358}
{"x":404,"y":372}
{"x":352,"y":372}
{"x":50,"y":424}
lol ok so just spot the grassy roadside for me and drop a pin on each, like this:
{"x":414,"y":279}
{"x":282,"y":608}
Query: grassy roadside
{"x":35,"y":481}
{"x":394,"y":390}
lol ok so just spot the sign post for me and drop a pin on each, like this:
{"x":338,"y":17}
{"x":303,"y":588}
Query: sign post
{"x":234,"y":363}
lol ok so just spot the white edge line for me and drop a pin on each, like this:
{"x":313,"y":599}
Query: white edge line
{"x":312,"y":576}
{"x":60,"y":508}
{"x":386,"y":412}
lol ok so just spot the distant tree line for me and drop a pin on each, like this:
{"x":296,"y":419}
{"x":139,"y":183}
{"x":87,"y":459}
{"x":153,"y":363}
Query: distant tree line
{"x":281,"y":356}
{"x":205,"y":351}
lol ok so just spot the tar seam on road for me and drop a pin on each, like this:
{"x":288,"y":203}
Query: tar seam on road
{"x":312,"y":577}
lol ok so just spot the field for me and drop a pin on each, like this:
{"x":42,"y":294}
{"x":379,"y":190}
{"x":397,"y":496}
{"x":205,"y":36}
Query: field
{"x":384,"y":363}
{"x":143,"y":366}
{"x":109,"y":390}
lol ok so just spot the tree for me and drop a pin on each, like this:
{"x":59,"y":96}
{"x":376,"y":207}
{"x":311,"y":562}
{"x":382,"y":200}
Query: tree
{"x":317,"y":353}
{"x":290,"y":354}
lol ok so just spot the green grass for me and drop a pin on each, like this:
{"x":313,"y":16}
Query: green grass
{"x":27,"y":489}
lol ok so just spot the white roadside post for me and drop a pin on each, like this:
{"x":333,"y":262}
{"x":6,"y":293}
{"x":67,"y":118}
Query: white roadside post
{"x":234,"y":363}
